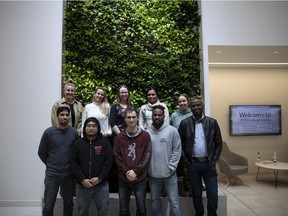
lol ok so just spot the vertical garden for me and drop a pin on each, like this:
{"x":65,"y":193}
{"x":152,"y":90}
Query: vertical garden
{"x":141,"y":44}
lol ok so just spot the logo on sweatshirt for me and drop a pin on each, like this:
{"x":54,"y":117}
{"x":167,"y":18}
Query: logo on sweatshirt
{"x":132,"y":152}
{"x":98,"y":149}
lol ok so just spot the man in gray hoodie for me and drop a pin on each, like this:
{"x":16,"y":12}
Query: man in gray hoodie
{"x":166,"y":148}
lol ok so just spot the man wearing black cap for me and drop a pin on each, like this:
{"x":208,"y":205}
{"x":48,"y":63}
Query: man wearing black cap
{"x":54,"y":151}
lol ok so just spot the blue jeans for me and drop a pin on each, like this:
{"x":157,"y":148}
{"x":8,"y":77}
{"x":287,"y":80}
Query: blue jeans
{"x":197,"y":171}
{"x":171,"y":187}
{"x":125,"y":191}
{"x":99,"y":194}
{"x":52,"y":185}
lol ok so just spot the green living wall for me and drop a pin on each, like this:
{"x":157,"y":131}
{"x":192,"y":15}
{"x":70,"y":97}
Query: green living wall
{"x":141,"y":44}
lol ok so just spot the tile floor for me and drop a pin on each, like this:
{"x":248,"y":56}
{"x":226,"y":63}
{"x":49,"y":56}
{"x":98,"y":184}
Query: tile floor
{"x":260,"y":199}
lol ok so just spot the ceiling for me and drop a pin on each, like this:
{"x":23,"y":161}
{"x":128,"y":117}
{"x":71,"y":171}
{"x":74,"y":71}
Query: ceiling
{"x":248,"y":55}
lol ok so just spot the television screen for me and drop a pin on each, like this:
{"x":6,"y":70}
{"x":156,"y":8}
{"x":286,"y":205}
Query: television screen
{"x":253,"y":120}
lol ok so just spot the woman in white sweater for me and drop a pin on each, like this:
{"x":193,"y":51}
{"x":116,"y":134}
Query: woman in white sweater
{"x":145,"y":114}
{"x":99,"y":109}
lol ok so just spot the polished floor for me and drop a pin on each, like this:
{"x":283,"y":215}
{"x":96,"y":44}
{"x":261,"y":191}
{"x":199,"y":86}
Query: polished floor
{"x":261,"y":198}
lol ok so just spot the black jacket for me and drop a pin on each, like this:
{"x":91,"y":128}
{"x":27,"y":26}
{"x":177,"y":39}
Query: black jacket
{"x":212,"y":135}
{"x":91,"y":159}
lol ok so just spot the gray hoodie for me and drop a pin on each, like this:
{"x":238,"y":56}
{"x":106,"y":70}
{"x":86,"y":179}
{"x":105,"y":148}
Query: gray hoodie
{"x":166,"y":151}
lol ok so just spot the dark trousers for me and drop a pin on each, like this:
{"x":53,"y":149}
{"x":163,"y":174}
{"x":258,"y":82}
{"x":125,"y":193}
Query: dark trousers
{"x":52,"y":185}
{"x":197,"y":172}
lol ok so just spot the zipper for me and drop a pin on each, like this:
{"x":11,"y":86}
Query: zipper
{"x":90,"y":160}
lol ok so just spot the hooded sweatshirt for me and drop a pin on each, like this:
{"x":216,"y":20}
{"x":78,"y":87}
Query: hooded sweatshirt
{"x":132,"y":152}
{"x":92,"y":158}
{"x":166,"y":148}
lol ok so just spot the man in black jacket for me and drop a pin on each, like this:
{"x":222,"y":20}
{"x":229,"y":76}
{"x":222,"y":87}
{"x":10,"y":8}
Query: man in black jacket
{"x":201,"y":148}
{"x":92,"y":158}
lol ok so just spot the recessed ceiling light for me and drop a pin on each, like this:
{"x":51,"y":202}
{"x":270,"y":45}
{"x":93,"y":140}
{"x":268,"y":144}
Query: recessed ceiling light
{"x":218,"y":52}
{"x":276,"y":52}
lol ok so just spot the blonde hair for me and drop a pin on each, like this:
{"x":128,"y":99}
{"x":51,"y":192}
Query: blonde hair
{"x":104,"y":105}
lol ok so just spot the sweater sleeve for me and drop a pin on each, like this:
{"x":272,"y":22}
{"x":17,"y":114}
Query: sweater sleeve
{"x":176,"y":150}
{"x":112,"y":116}
{"x":141,"y":120}
{"x":75,"y":163}
{"x":118,"y":157}
{"x":144,"y":163}
{"x":43,"y":147}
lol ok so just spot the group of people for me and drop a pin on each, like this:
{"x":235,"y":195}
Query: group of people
{"x":89,"y":143}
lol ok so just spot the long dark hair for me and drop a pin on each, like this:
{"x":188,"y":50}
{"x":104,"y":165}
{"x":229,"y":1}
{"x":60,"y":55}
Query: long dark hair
{"x":91,"y":119}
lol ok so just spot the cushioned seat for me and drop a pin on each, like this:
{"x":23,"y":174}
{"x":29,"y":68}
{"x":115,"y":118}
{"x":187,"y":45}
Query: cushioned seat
{"x":232,"y":164}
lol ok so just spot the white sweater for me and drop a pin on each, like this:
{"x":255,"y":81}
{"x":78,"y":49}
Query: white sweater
{"x":93,"y":110}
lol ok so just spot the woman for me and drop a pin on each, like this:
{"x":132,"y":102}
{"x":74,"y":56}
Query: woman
{"x":92,"y":158}
{"x":75,"y":106}
{"x":145,"y":114}
{"x":100,"y":109}
{"x":183,"y":113}
{"x":116,"y":119}
{"x":118,"y":125}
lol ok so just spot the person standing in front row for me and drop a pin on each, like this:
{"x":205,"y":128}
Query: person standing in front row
{"x":132,"y":152}
{"x":92,"y":158}
{"x":55,"y":152}
{"x":202,"y":144}
{"x":166,"y":153}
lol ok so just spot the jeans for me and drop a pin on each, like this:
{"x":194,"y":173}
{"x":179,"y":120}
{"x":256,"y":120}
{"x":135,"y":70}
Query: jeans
{"x":125,"y":191}
{"x":52,"y":185}
{"x":171,"y":187}
{"x":197,"y":171}
{"x":99,"y":194}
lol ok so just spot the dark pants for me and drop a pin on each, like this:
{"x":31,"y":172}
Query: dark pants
{"x":52,"y":185}
{"x":197,"y":171}
{"x":125,"y":191}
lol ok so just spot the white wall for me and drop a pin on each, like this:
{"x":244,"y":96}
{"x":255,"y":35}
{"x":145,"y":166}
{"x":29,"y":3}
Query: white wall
{"x":30,"y":81}
{"x":241,"y":23}
{"x":250,"y":86}
{"x":246,"y":23}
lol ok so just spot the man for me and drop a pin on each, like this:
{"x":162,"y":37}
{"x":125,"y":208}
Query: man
{"x":132,"y":151}
{"x":92,"y":158}
{"x":54,"y":151}
{"x":166,"y":148}
{"x":202,"y":144}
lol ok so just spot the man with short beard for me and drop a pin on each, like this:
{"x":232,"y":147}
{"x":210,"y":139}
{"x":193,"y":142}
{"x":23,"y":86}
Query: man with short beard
{"x":166,"y":153}
{"x":55,"y":152}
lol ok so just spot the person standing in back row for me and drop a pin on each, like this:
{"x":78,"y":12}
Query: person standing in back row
{"x":55,"y":152}
{"x":145,"y":114}
{"x":76,"y":108}
{"x":202,"y":145}
{"x":183,"y":112}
